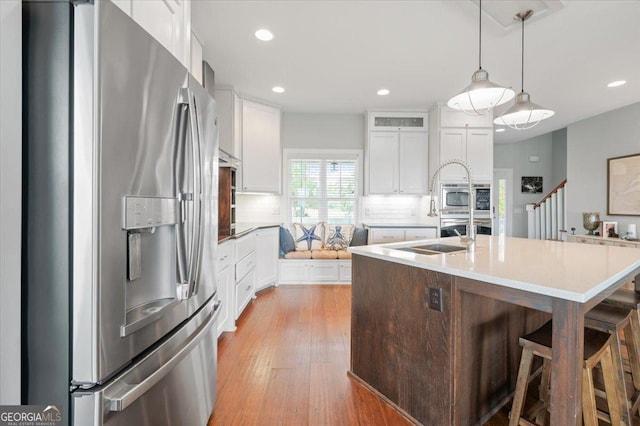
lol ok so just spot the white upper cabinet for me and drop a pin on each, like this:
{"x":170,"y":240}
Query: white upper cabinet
{"x":397,"y":150}
{"x":168,"y":21}
{"x":261,"y":152}
{"x":196,"y":58}
{"x":456,"y":135}
{"x":229,"y":109}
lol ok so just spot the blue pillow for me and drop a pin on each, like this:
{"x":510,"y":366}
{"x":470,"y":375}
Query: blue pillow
{"x":360,"y":237}
{"x":286,"y":241}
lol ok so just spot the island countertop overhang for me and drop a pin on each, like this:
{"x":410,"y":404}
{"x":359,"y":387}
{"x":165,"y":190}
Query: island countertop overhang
{"x":570,"y":271}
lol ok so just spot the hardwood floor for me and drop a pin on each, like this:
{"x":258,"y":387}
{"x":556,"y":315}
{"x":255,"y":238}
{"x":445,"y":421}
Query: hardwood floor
{"x":287,"y":364}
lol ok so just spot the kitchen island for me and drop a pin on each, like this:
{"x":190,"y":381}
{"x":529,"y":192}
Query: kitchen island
{"x":457,"y":364}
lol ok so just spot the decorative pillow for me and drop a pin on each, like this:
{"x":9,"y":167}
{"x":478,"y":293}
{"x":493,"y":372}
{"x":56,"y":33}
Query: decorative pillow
{"x":338,"y":237}
{"x":308,"y":237}
{"x":360,"y":237}
{"x":287,"y":243}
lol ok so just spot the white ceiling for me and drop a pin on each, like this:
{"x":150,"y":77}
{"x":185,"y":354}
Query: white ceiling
{"x":332,"y":56}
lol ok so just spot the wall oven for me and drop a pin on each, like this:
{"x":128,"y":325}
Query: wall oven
{"x":454,"y":199}
{"x":449,"y":226}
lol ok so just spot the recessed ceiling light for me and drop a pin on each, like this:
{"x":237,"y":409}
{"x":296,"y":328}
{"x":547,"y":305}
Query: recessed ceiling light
{"x":502,"y":129}
{"x":264,"y":35}
{"x":616,"y":83}
{"x":383,"y":92}
{"x":278,"y":89}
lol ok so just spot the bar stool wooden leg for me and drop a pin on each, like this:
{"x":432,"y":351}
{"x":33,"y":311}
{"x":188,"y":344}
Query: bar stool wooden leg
{"x":633,"y":347}
{"x":618,"y":373}
{"x":521,"y":387}
{"x":542,"y":418}
{"x":589,"y":410}
{"x":609,"y":375}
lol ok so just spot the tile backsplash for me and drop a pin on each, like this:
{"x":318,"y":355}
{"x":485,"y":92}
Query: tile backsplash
{"x":258,"y":208}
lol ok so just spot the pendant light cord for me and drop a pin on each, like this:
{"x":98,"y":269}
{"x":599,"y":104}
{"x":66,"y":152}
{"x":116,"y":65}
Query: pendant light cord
{"x":522,"y":64}
{"x":480,"y":38}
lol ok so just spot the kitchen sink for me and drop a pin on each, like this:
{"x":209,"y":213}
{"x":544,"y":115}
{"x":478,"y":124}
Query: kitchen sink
{"x":431,"y":249}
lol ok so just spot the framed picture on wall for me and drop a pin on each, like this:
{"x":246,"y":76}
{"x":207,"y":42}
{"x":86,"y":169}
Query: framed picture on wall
{"x":531,"y":184}
{"x":623,"y":185}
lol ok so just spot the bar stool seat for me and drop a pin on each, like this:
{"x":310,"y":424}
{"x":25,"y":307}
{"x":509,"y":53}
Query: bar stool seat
{"x":597,"y":350}
{"x":624,"y":298}
{"x":614,"y":319}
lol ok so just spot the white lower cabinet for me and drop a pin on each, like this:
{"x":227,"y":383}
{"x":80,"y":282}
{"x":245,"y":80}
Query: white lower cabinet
{"x":392,"y":235}
{"x":245,"y":272}
{"x":320,"y":271}
{"x":226,"y":286}
{"x":267,"y":247}
{"x":245,"y":290}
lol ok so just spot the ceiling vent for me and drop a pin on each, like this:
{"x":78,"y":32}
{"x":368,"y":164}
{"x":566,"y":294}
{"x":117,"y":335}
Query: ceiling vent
{"x":502,"y":12}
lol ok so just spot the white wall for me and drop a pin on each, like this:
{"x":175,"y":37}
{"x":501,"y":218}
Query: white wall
{"x":10,"y":189}
{"x":327,"y":131}
{"x":559,"y":156}
{"x":589,"y":143}
{"x":516,"y":156}
{"x":302,"y":131}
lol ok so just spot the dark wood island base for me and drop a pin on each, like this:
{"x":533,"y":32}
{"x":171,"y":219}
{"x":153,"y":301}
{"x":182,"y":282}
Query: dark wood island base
{"x":458,"y":366}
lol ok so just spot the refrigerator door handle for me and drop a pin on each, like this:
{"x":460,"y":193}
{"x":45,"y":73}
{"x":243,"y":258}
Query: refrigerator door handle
{"x":179,"y":166}
{"x":130,"y":393}
{"x":197,"y":196}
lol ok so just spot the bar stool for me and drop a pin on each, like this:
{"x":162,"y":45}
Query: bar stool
{"x":614,"y":319}
{"x":597,"y":350}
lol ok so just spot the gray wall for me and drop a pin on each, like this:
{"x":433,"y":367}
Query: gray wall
{"x":589,"y":143}
{"x":558,"y":157}
{"x":516,"y":156}
{"x":10,"y":182}
{"x":320,"y":131}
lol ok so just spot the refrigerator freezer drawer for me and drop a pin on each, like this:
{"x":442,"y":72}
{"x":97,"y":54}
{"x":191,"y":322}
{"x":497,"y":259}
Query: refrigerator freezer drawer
{"x":180,"y":373}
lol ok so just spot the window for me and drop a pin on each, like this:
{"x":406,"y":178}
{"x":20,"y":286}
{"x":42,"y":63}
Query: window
{"x":322,"y":186}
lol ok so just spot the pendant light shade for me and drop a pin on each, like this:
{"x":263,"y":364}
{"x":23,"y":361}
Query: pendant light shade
{"x":524,"y":114}
{"x":481,"y":96}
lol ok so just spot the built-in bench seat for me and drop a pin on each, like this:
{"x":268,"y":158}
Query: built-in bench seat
{"x":317,"y":266}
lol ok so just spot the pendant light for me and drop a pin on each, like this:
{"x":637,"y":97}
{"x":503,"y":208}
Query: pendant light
{"x":524,"y":114}
{"x":481,"y":96}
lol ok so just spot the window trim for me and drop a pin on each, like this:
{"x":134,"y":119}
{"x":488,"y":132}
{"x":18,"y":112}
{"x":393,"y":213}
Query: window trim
{"x":322,"y":154}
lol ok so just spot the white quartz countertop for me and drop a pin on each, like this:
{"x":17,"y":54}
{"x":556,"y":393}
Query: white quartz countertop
{"x":564,"y":270}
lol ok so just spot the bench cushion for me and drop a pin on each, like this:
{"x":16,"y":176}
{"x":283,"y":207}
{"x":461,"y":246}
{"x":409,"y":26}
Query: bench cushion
{"x":298,"y":254}
{"x":324,"y":254}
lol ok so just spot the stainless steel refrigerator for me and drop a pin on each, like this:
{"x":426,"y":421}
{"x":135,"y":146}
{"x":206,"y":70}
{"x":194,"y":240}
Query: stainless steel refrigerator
{"x":120,"y":222}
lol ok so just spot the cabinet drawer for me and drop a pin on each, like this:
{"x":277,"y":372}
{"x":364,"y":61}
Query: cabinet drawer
{"x":244,"y":290}
{"x":603,"y":243}
{"x":324,"y":272}
{"x":632,"y":245}
{"x":419,"y":233}
{"x":386,"y":235}
{"x":344,"y":271}
{"x":245,"y":265}
{"x":245,"y":245}
{"x":584,"y":240}
{"x":225,"y":255}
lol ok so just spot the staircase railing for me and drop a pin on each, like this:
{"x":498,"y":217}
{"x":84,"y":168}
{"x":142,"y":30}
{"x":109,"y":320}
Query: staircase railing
{"x":547,"y":218}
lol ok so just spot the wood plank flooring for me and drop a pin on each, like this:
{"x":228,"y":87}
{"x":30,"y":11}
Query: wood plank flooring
{"x":287,"y":364}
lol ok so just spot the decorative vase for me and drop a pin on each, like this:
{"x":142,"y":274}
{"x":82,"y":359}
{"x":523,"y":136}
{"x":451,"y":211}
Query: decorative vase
{"x":591,"y":221}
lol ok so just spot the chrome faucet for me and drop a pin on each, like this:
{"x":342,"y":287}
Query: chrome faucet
{"x":470,"y":239}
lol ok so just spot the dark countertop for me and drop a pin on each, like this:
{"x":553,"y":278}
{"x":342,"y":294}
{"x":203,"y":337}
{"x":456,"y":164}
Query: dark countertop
{"x":243,"y":229}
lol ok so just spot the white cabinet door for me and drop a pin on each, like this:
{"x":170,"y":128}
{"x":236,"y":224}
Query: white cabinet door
{"x":480,"y":154}
{"x":225,"y":295}
{"x":383,"y":163}
{"x":125,"y":5}
{"x":385,"y":235}
{"x":453,"y":146}
{"x":244,"y":291}
{"x":229,"y":112}
{"x":413,"y":163}
{"x":196,"y":58}
{"x":261,"y":154}
{"x":411,"y":234}
{"x":165,"y":21}
{"x":267,"y":246}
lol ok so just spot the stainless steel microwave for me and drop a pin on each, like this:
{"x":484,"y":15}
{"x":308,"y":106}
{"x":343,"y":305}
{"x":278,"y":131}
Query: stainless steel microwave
{"x":454,"y":198}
